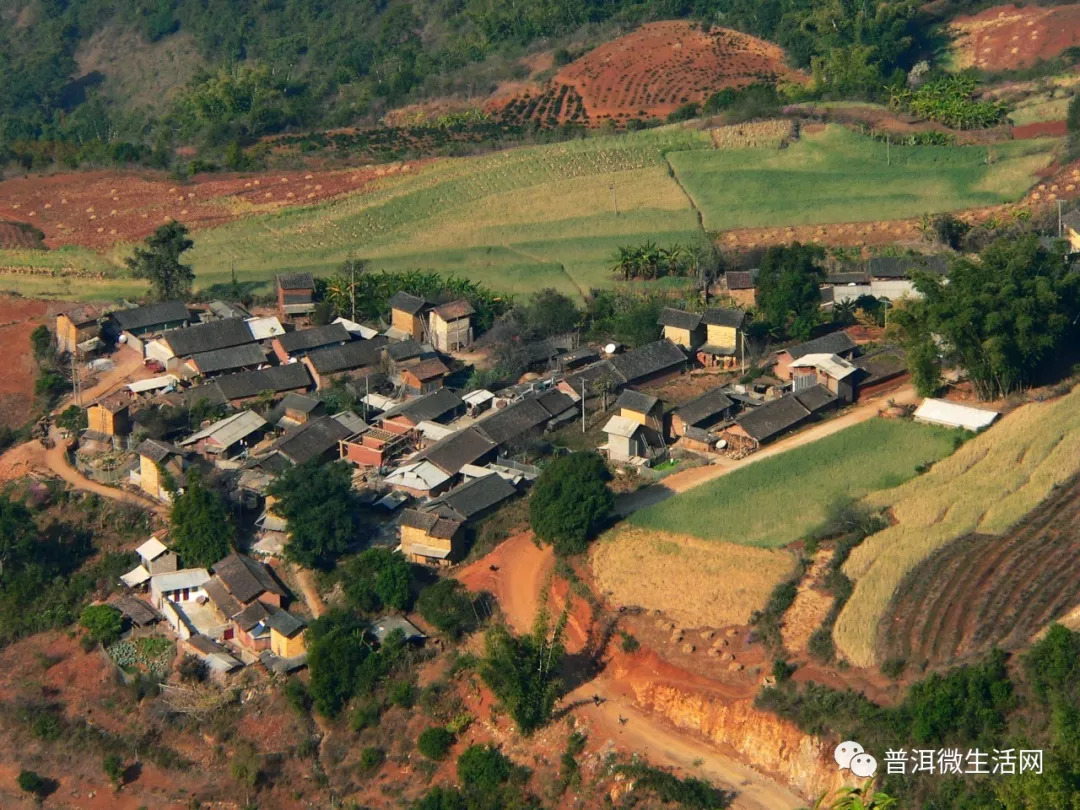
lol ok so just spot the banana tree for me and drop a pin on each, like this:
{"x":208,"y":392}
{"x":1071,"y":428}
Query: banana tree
{"x":855,"y":798}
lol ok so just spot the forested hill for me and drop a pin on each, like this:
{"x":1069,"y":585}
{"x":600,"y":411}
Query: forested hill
{"x":146,"y":74}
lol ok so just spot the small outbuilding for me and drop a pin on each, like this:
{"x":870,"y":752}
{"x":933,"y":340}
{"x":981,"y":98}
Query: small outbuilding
{"x":954,"y":415}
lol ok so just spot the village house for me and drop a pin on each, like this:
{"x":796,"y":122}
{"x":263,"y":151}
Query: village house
{"x":295,"y":295}
{"x":381,"y":629}
{"x":424,"y":377}
{"x":723,"y":337}
{"x":838,"y":343}
{"x":652,"y":363}
{"x":516,"y":423}
{"x":682,"y":328}
{"x":110,"y":416}
{"x":244,"y":386}
{"x":374,"y":447}
{"x":407,"y":317}
{"x":176,"y":344}
{"x":296,"y":409}
{"x":78,"y":331}
{"x":154,"y":558}
{"x":136,"y":323}
{"x":287,"y":635}
{"x":428,"y":538}
{"x":221,"y":361}
{"x":645,"y":409}
{"x":316,"y":439}
{"x":264,"y":329}
{"x":404,"y":353}
{"x":249,"y":580}
{"x":954,"y":415}
{"x":219,"y":310}
{"x":468,"y":446}
{"x":631,"y":442}
{"x":451,"y":326}
{"x":768,"y":422}
{"x":740,"y":287}
{"x":702,"y":412}
{"x":421,"y":479}
{"x":183,"y":585}
{"x":838,"y":375}
{"x":218,"y":660}
{"x":353,"y":359}
{"x":226,"y":437}
{"x":577,"y":358}
{"x":357,"y":330}
{"x":136,"y":610}
{"x":299,"y":343}
{"x":160,"y":464}
{"x":441,"y":406}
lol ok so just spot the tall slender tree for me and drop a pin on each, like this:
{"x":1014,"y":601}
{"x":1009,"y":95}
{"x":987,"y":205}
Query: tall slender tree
{"x":159,"y":262}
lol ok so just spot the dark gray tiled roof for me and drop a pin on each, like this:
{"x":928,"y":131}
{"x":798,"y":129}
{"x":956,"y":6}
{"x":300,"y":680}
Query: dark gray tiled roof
{"x":311,"y":439}
{"x":815,"y":398}
{"x":249,"y":354}
{"x":454,"y":310}
{"x":431,"y":406}
{"x":706,"y":407}
{"x":304,"y":340}
{"x":300,"y":402}
{"x":285,"y":623}
{"x":847,"y":278}
{"x":151,"y":315}
{"x":357,"y":354}
{"x":773,"y":418}
{"x":252,"y":383}
{"x":404,"y":349}
{"x":739,"y":279}
{"x":833,"y":343}
{"x":221,"y":597}
{"x":295,"y":281}
{"x":652,"y":358}
{"x":430,"y":523}
{"x":250,"y":616}
{"x":679,"y":319}
{"x":461,"y":448}
{"x":157,"y":451}
{"x":723,"y":316}
{"x":555,"y":402}
{"x":592,"y":375}
{"x":636,"y":401}
{"x":902,"y":266}
{"x":513,"y":420}
{"x":208,"y":337}
{"x":474,"y":497}
{"x":406,"y":302}
{"x":246,"y":578}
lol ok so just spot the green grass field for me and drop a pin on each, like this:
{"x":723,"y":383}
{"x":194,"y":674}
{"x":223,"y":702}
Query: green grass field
{"x":839,"y":176}
{"x":517,"y":220}
{"x":779,"y":499}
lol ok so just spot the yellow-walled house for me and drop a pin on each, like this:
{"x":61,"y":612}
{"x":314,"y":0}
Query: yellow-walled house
{"x":451,"y":325}
{"x":644,"y":409}
{"x":286,"y":634}
{"x":428,"y":538}
{"x":77,"y":327}
{"x":723,"y":333}
{"x":158,"y":461}
{"x":407,"y":316}
{"x":682,"y":328}
{"x":110,"y":416}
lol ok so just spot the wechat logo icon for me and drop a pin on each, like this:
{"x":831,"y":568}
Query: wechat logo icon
{"x":849,"y":755}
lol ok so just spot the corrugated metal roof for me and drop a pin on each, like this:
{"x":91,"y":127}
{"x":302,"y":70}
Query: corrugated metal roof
{"x":621,"y":426}
{"x":832,"y":364}
{"x":265,"y":328}
{"x":421,"y":475}
{"x":226,"y":432}
{"x":151,"y":549}
{"x":153,"y":384}
{"x":184,"y":578}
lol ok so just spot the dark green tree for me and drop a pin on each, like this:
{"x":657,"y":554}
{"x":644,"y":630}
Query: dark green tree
{"x":43,"y":345}
{"x":789,"y":288}
{"x":17,"y":533}
{"x":73,"y":418}
{"x":435,"y":742}
{"x":523,"y":671}
{"x":199,"y":525}
{"x":103,"y":623}
{"x":570,"y":501}
{"x":113,"y":767}
{"x":447,"y":606}
{"x":33,"y":783}
{"x":335,"y":660}
{"x":321,"y":510}
{"x":1001,"y":317}
{"x":549,"y":312}
{"x":378,"y":578}
{"x":159,"y":262}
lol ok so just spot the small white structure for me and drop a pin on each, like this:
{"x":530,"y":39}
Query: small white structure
{"x":953,"y":415}
{"x":154,"y":384}
{"x":265,"y":328}
{"x":418,"y":478}
{"x":184,"y":585}
{"x":354,"y":328}
{"x":154,"y":558}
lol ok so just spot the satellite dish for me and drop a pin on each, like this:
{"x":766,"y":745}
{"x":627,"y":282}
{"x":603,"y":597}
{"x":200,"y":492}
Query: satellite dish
{"x":610,"y":348}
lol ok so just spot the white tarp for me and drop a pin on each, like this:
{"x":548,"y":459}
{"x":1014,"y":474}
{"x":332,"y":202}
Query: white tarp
{"x":954,"y":415}
{"x":154,"y":384}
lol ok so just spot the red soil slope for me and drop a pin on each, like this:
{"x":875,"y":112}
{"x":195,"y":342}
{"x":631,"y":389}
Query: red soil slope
{"x":1009,"y":37}
{"x":98,"y":209}
{"x":651,"y":71}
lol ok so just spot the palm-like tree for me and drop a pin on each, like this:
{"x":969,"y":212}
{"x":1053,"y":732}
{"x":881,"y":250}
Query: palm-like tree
{"x":674,"y":259}
{"x":855,"y":798}
{"x":625,"y":262}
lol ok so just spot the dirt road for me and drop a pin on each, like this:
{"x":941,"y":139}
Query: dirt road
{"x":514,"y":573}
{"x":682,"y":481}
{"x":306,"y":582}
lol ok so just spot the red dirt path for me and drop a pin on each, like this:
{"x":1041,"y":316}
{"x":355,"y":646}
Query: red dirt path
{"x":18,"y":317}
{"x":1009,"y":37}
{"x":98,"y":209}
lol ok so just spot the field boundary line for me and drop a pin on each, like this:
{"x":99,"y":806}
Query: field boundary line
{"x":675,"y":176}
{"x":562,"y":267}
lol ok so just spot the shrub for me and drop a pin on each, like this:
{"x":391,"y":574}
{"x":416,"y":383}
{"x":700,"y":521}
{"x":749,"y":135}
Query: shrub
{"x":371,"y":758}
{"x":570,"y":501}
{"x":435,"y":743}
{"x":628,"y":644}
{"x":401,"y":694}
{"x":32,"y":782}
{"x":113,"y":766}
{"x":194,"y":669}
{"x":448,"y":606}
{"x":364,"y":715}
{"x":893,"y":668}
{"x":483,"y":768}
{"x":296,"y":693}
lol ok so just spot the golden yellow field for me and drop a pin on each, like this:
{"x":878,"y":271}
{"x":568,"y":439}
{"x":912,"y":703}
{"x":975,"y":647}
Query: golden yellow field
{"x":751,"y":135}
{"x":986,"y":486}
{"x":698,"y":583}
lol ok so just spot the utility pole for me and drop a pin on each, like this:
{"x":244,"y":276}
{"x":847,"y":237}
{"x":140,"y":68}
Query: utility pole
{"x":1060,"y":229}
{"x":352,"y":287}
{"x":614,"y":198}
{"x":582,"y":404}
{"x":75,"y":376}
{"x":742,"y":344}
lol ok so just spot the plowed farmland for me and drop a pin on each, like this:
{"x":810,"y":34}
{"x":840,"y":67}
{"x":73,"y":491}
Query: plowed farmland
{"x":99,"y":209}
{"x":982,"y":591}
{"x":651,"y":71}
{"x":1011,"y":37}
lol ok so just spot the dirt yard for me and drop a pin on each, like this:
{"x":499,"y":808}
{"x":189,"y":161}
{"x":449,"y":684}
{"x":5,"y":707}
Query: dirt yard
{"x":1009,"y":37}
{"x":101,"y":208}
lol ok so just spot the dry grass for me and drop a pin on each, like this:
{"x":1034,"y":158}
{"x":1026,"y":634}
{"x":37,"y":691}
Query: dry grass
{"x":752,"y":135}
{"x":698,"y":583}
{"x":986,"y":486}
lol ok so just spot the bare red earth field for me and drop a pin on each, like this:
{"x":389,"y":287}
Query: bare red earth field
{"x":1009,"y":37}
{"x":98,"y":209}
{"x":18,"y":317}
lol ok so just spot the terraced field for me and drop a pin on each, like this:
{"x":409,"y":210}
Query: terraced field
{"x":988,"y":489}
{"x":839,"y":176}
{"x":983,"y":591}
